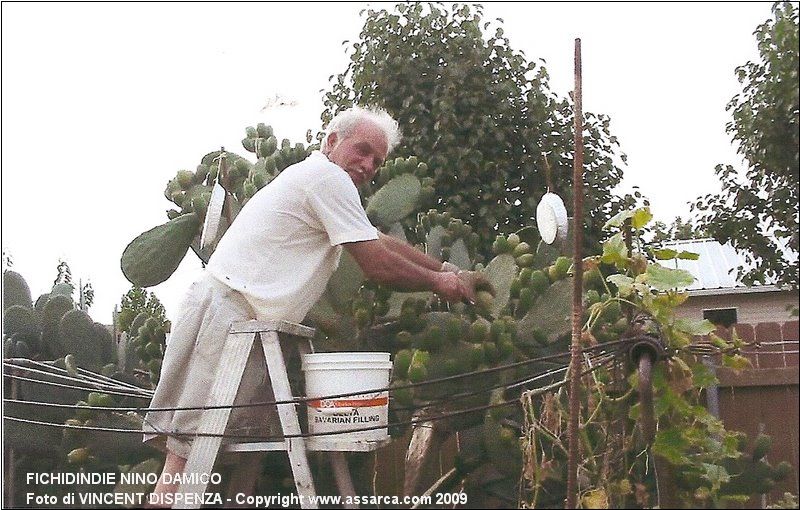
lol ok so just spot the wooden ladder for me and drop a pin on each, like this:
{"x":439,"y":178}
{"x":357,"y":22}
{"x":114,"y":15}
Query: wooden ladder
{"x":205,"y":449}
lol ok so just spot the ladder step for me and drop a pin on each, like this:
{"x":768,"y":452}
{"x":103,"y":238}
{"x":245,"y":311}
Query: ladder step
{"x":312,"y":444}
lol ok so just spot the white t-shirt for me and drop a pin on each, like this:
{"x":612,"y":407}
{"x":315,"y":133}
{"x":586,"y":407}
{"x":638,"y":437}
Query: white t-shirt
{"x":284,"y":244}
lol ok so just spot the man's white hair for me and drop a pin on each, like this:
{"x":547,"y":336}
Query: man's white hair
{"x":345,"y":121}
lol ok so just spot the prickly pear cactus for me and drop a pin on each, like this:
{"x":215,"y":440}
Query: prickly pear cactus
{"x":15,"y":290}
{"x":90,"y":343}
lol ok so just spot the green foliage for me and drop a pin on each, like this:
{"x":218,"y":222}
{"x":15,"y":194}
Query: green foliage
{"x":758,"y":211}
{"x":678,"y":230}
{"x":472,"y":106}
{"x":706,"y":458}
{"x":134,"y":302}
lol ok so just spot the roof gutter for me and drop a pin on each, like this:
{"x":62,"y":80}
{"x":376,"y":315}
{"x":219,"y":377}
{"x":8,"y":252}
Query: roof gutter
{"x":736,"y":290}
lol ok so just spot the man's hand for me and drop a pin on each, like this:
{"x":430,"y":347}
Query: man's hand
{"x":453,"y":288}
{"x":449,"y":267}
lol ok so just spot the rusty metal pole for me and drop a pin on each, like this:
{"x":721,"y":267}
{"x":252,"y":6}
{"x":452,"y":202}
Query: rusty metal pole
{"x":573,"y":436}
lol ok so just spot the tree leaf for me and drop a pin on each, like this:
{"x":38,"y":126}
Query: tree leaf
{"x":641,"y":217}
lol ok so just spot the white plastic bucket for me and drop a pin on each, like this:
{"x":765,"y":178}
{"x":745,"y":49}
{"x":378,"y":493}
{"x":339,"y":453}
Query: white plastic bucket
{"x":335,"y":373}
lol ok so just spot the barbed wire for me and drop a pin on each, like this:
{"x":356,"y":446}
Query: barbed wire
{"x":85,"y":380}
{"x":411,"y":422}
{"x":507,"y":386}
{"x":449,"y":398}
{"x":296,"y":400}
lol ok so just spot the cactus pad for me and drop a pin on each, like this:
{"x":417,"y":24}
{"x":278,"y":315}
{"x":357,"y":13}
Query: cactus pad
{"x":15,"y":290}
{"x":394,"y":201}
{"x":154,"y":255}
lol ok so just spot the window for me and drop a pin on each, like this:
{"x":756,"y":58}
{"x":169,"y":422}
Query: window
{"x":725,"y":317}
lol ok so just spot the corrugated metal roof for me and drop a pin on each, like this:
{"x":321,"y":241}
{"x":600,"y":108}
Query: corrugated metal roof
{"x":715,"y":269}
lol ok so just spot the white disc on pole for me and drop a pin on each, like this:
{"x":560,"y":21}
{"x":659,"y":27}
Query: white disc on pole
{"x":551,"y":219}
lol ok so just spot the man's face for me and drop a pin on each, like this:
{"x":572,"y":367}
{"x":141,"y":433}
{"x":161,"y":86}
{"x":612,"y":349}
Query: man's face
{"x":361,"y":153}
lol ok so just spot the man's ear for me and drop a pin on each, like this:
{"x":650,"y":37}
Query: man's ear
{"x":330,"y":143}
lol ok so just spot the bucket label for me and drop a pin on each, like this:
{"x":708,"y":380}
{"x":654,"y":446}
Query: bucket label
{"x":349,"y":418}
{"x":332,"y":403}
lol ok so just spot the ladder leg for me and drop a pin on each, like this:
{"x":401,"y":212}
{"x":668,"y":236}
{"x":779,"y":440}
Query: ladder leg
{"x":342,"y":474}
{"x":205,"y":449}
{"x":295,"y":447}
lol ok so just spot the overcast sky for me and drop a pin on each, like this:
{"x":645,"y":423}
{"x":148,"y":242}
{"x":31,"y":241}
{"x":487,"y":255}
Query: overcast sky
{"x":103,"y":103}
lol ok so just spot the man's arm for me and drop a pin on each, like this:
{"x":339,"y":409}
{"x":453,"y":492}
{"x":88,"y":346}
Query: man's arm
{"x":383,"y":263}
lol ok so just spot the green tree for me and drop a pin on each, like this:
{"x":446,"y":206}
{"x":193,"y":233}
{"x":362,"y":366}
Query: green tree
{"x":136,"y":301}
{"x":678,"y":230}
{"x":758,"y":211}
{"x":479,"y":113}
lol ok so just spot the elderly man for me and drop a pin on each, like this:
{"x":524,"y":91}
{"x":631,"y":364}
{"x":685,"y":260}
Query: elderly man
{"x":274,"y":263}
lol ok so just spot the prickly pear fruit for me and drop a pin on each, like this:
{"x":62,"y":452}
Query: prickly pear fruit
{"x":402,"y":360}
{"x":521,"y":249}
{"x":562,"y":265}
{"x":484,"y":300}
{"x":525,"y":260}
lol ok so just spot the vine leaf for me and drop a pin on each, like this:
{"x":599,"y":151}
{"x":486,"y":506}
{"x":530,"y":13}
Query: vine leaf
{"x":664,"y":279}
{"x":639,"y":218}
{"x":614,"y":250}
{"x":670,"y":444}
{"x":694,"y":326}
{"x":624,"y":283}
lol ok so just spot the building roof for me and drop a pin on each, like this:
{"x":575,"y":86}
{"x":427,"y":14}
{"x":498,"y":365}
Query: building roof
{"x":716,"y":270}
